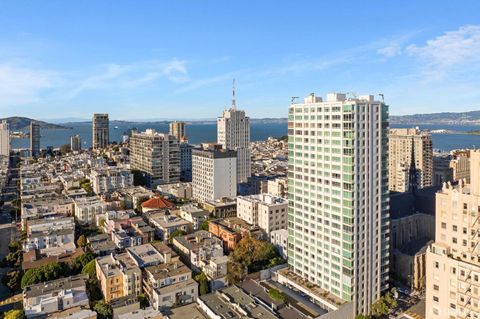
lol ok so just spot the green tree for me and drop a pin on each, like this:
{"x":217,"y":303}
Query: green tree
{"x":41,"y":274}
{"x":235,"y":272}
{"x":90,"y":269}
{"x":363,"y":317}
{"x":14,"y":314}
{"x":103,"y":310}
{"x":385,"y":304}
{"x":93,"y":291}
{"x":202,"y":280}
{"x":204,"y":224}
{"x":86,"y":185}
{"x":143,"y":301}
{"x":82,"y":241}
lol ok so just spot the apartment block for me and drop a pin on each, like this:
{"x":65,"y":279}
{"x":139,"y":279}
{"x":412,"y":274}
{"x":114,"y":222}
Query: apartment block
{"x":193,"y":214}
{"x":165,"y":224}
{"x":169,"y":284}
{"x":49,"y":232}
{"x":265,"y":211}
{"x":214,"y":173}
{"x":50,"y":297}
{"x":460,"y":165}
{"x":338,"y":196}
{"x":453,"y":261}
{"x":157,"y":155}
{"x":109,"y":179}
{"x":198,"y":247}
{"x":410,"y":161}
{"x":88,"y":208}
{"x":118,"y":276}
{"x":186,"y":161}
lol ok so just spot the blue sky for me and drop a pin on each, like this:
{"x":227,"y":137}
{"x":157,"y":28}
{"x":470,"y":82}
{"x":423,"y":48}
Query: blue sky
{"x":176,"y":59}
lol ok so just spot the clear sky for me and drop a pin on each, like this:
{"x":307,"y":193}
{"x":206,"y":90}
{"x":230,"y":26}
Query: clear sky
{"x":176,"y":59}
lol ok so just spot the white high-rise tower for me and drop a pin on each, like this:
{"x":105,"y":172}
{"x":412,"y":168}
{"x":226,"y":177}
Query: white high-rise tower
{"x":338,"y":196}
{"x":233,"y":133}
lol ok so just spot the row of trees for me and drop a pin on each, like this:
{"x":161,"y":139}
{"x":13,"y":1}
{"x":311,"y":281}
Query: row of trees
{"x":55,"y":270}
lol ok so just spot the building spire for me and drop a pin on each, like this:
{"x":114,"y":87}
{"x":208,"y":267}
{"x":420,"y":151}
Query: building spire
{"x":234,"y":101}
{"x":412,"y":174}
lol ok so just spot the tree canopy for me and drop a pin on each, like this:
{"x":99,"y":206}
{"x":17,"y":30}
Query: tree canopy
{"x":202,"y":280}
{"x":14,"y":314}
{"x":251,"y":254}
{"x":103,"y":310}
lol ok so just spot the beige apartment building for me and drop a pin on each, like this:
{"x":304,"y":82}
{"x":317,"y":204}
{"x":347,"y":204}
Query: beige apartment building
{"x":118,"y":276}
{"x":453,"y":261}
{"x":177,"y":129}
{"x":157,"y":155}
{"x":410,"y":152}
{"x":460,"y":165}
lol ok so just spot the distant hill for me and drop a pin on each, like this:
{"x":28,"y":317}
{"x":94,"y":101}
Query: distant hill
{"x":461,"y":118}
{"x":18,"y":123}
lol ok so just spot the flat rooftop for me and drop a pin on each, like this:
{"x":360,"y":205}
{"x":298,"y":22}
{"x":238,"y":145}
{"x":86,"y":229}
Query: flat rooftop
{"x":145,"y":255}
{"x":232,"y":302}
{"x":53,"y":286}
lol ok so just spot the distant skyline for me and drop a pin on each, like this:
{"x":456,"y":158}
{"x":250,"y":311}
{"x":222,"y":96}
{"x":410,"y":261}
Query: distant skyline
{"x":158,"y":60}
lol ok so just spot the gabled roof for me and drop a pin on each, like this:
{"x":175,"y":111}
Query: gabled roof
{"x":156,"y":203}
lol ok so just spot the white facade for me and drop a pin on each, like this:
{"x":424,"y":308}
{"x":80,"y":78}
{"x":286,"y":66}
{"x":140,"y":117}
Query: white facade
{"x":56,"y":295}
{"x":279,"y":238}
{"x":338,"y":199}
{"x":233,"y":133}
{"x":87,"y":208}
{"x":110,"y":179}
{"x":214,"y":174}
{"x":264,"y":210}
{"x":4,"y":138}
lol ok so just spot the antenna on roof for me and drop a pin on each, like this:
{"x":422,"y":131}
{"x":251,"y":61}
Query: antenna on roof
{"x":383,"y":97}
{"x":293,"y":98}
{"x":234,"y":101}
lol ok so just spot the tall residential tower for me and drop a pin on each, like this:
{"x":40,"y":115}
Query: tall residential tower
{"x":100,"y":131}
{"x":338,"y":196}
{"x":233,"y":133}
{"x":157,"y":155}
{"x":4,"y":138}
{"x":410,"y":159}
{"x":34,"y":138}
{"x":177,"y":129}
